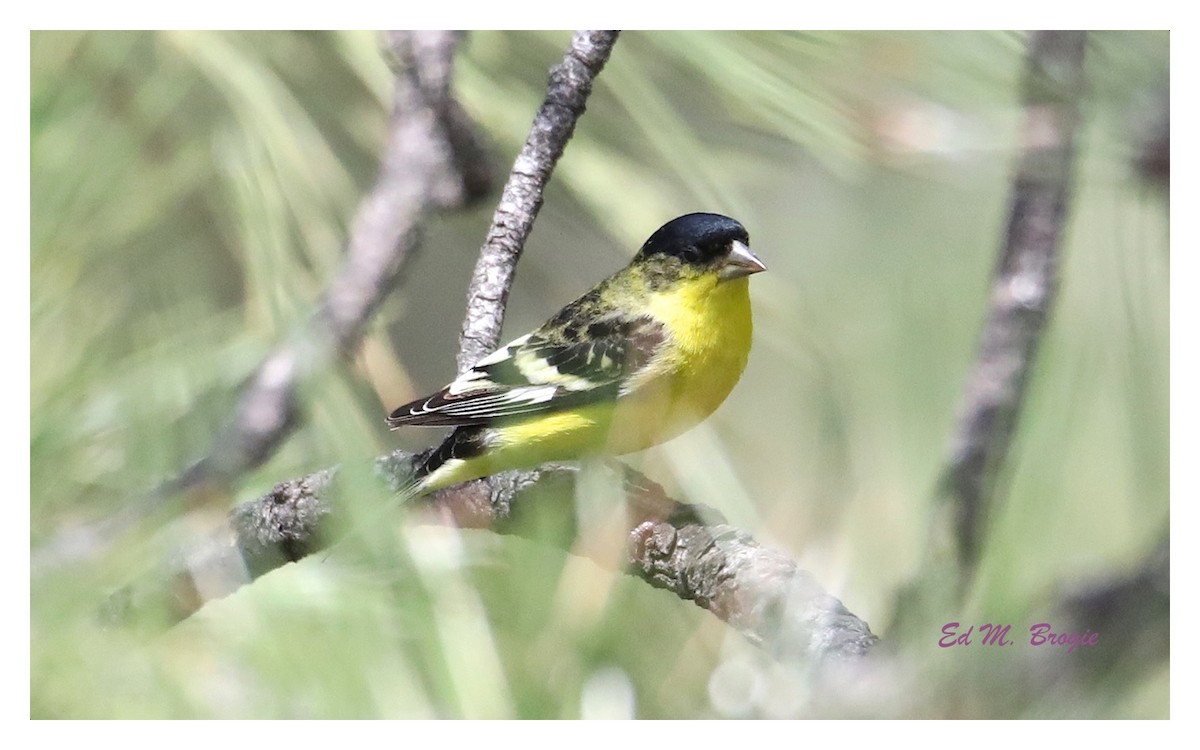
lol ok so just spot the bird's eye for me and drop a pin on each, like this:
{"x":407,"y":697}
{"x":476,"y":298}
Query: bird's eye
{"x":691,"y":255}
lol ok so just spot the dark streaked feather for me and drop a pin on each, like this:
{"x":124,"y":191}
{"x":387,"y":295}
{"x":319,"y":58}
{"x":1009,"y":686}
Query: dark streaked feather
{"x":560,"y":366}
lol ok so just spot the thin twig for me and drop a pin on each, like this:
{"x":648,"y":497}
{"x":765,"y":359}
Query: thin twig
{"x":566,"y":95}
{"x":1024,"y":284}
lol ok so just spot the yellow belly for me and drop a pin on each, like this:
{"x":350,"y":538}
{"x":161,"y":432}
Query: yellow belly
{"x":710,"y":327}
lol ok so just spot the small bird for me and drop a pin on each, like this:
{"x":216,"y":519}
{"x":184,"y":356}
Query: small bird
{"x":647,"y":354}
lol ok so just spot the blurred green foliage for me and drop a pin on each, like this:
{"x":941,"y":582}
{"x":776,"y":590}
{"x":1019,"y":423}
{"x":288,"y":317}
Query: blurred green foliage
{"x":191,"y":193}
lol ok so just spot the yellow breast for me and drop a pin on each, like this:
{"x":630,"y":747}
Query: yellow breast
{"x":710,"y":328}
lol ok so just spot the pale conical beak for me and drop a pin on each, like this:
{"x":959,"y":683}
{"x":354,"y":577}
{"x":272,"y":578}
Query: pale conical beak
{"x":740,"y":262}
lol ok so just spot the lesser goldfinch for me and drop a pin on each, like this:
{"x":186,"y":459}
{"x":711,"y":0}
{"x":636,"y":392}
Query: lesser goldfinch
{"x":645,"y":355}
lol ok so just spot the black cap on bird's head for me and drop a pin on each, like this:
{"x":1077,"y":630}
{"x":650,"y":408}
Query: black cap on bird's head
{"x":706,"y":241}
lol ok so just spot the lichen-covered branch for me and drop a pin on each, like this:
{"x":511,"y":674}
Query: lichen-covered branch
{"x":1024,"y":284}
{"x":686,"y":549}
{"x":697,"y":555}
{"x":285,"y":525}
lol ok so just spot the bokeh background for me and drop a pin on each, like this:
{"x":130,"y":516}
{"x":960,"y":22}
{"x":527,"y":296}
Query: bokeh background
{"x":191,"y":193}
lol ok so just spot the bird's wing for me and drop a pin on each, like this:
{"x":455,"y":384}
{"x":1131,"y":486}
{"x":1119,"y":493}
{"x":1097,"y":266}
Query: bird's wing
{"x":556,"y":367}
